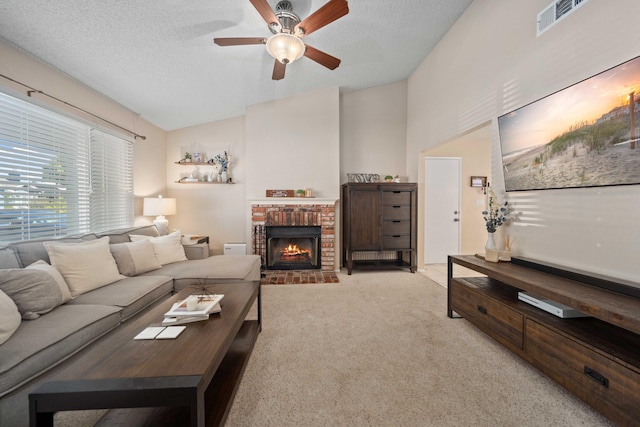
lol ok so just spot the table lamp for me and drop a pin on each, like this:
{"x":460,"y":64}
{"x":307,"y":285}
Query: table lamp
{"x":160,"y":206}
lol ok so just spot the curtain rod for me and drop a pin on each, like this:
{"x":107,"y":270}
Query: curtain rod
{"x":32,"y":90}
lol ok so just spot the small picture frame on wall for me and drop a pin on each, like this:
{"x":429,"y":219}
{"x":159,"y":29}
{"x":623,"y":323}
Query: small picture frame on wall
{"x":479,"y":181}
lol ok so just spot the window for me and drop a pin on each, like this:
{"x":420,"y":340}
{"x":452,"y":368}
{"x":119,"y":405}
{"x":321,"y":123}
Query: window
{"x":60,"y":176}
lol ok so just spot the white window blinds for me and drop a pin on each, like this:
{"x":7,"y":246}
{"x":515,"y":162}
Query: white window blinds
{"x":59,"y":176}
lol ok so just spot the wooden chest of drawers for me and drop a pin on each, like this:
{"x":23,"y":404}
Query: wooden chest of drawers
{"x":379,"y":224}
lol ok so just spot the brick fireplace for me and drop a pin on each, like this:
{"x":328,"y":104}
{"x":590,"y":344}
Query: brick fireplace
{"x":295,"y":213}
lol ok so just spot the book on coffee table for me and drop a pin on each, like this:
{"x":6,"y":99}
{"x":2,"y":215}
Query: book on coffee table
{"x":205,"y":305}
{"x":173,"y":320}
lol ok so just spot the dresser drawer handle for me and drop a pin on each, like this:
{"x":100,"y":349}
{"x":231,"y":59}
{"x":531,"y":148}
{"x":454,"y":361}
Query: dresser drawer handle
{"x":594,"y":375}
{"x":482,"y":310}
{"x":396,"y":206}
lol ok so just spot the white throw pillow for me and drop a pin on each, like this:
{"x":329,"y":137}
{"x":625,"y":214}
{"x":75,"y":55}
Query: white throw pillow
{"x":167,"y":248}
{"x":9,"y":317}
{"x":57,"y":277}
{"x":85,"y":266}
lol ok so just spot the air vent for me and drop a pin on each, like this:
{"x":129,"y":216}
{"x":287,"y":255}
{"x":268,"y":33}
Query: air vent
{"x":555,"y":12}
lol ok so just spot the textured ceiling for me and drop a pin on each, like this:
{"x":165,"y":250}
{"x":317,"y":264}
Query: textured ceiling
{"x":157,"y":57}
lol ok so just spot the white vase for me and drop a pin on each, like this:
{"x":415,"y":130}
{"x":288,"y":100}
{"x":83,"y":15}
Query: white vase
{"x":491,"y":243}
{"x":223,"y":176}
{"x":491,"y":253}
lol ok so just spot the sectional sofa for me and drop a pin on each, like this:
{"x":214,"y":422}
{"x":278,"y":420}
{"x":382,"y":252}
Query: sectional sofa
{"x":58,"y":296}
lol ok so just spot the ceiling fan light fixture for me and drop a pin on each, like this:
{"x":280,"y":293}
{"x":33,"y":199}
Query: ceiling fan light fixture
{"x":286,"y":48}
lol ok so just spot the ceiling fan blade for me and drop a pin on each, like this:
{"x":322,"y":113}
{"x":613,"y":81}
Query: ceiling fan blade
{"x":278,"y":70}
{"x":331,"y":62}
{"x":237,"y":41}
{"x":328,"y":13}
{"x":265,"y":11}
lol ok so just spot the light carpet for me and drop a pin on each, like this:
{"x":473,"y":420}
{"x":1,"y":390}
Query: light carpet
{"x":377,"y":349}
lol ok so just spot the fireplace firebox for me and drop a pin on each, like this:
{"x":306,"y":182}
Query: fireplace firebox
{"x":293,"y":247}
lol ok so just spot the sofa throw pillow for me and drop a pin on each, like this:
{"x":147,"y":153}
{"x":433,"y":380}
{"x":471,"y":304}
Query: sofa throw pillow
{"x":85,"y":266}
{"x":135,"y":258}
{"x":167,"y":248}
{"x":9,"y":317}
{"x":55,"y":274}
{"x":34,"y":292}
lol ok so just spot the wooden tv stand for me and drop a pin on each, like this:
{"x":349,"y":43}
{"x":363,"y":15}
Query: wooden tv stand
{"x":596,"y":358}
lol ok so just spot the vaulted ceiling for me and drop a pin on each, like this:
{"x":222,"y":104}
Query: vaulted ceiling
{"x":157,"y":57}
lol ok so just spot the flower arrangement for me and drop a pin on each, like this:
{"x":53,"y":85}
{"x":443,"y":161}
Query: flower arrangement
{"x":496,"y":213}
{"x":223,"y":161}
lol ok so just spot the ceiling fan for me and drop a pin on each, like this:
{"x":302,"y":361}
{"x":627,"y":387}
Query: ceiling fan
{"x":286,"y":44}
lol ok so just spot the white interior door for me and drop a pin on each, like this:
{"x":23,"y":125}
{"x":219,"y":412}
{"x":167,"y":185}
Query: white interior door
{"x":442,"y":208}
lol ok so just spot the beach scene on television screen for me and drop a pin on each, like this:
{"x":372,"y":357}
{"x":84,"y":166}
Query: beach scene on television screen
{"x":586,"y":135}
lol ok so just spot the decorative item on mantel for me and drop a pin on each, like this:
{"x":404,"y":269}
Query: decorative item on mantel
{"x":495,"y":215}
{"x":280,"y":193}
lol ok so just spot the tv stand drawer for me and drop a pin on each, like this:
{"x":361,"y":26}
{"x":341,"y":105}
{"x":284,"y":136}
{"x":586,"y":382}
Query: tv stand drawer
{"x":597,"y":379}
{"x":494,"y":318}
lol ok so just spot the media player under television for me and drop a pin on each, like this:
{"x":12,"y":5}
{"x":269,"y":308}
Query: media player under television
{"x":550,"y":306}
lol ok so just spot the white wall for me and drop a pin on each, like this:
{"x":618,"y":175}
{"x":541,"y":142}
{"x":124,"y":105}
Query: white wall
{"x":285,"y":144}
{"x":373,"y":131}
{"x":294,"y":143}
{"x":311,"y":140}
{"x":214,"y":210}
{"x":490,"y":63}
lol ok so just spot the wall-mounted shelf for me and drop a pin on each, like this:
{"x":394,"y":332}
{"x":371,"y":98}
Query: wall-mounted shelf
{"x":195,"y":163}
{"x":204,"y":182}
{"x":182,"y":180}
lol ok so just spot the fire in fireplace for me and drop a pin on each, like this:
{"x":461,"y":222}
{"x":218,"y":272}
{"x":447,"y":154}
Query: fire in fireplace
{"x":293,"y":247}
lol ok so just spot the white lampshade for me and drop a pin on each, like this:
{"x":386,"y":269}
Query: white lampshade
{"x":286,"y":48}
{"x":159,"y":206}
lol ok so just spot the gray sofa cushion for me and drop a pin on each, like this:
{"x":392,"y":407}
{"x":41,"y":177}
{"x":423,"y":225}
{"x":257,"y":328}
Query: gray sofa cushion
{"x":122,"y":235}
{"x":35,"y":292}
{"x":215,"y":268}
{"x":43,"y":343}
{"x":134,"y":258}
{"x":31,"y":251}
{"x":131,"y":294}
{"x":9,"y":258}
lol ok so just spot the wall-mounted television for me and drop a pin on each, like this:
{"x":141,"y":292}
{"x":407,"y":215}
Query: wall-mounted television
{"x":586,"y":135}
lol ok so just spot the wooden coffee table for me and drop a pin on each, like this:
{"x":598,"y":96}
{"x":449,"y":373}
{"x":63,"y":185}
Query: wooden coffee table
{"x":194,"y":377}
